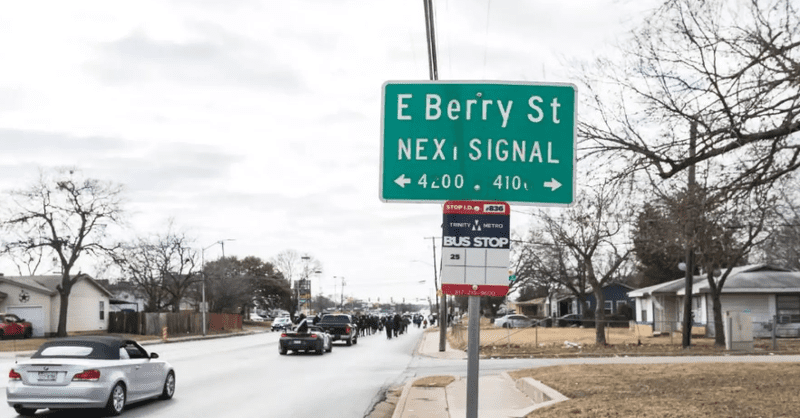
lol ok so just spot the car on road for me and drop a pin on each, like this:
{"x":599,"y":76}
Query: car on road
{"x":305,"y":338}
{"x":513,"y":321}
{"x":105,"y":372}
{"x":282,"y":323}
{"x":14,"y":326}
{"x":341,"y":327}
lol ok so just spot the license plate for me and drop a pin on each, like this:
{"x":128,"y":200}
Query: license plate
{"x":297,"y":342}
{"x":47,"y":376}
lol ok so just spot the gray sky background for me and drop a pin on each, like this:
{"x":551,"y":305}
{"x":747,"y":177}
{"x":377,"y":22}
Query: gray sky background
{"x":259,"y":121}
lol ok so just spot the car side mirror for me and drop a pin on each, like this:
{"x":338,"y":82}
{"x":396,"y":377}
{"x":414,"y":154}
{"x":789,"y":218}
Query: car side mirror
{"x":153,"y":355}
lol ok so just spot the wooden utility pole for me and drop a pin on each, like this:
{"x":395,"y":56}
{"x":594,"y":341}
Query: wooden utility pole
{"x":691,"y":213}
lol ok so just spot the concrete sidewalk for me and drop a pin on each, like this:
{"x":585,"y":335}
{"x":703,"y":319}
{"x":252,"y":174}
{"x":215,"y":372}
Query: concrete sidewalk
{"x":498,"y":395}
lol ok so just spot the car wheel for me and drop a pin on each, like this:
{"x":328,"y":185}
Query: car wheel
{"x":349,"y":341}
{"x":282,"y":350}
{"x":28,"y":333}
{"x":321,"y":349}
{"x":330,"y":347}
{"x":25,"y":412}
{"x":169,"y":387}
{"x":355,"y":340}
{"x":116,"y":401}
{"x":505,"y":325}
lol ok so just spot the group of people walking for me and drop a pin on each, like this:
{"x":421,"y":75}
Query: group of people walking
{"x":394,"y":324}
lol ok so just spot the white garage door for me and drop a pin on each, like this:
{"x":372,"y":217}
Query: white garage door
{"x":32,"y":314}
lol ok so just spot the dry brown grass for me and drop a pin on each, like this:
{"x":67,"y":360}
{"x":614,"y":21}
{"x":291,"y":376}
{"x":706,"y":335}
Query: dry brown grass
{"x":434,"y":381}
{"x":675,"y":390}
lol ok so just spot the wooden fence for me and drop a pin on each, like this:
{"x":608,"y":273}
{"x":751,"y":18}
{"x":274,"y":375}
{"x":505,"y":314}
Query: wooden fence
{"x":151,"y":323}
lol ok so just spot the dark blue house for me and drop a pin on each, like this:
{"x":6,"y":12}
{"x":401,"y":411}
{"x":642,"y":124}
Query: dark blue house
{"x":615,"y":294}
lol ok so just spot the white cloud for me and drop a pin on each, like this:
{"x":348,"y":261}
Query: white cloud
{"x":260,"y":121}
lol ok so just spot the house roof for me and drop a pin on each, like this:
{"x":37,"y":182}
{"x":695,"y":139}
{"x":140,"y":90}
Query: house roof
{"x":757,"y":278}
{"x":28,"y":282}
{"x":48,"y":284}
{"x":564,"y":294}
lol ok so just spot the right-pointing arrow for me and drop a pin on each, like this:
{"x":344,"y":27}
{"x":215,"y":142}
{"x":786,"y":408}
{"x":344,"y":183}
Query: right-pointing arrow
{"x":553,"y":184}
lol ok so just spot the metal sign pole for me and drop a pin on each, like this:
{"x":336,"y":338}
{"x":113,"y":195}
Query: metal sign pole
{"x":473,"y":355}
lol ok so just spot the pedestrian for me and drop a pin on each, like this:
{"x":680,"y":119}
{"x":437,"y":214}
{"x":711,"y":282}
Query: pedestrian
{"x":388,"y":326}
{"x":396,"y":324}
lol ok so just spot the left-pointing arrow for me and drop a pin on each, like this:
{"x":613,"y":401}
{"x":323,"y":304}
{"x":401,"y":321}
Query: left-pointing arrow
{"x":402,"y":181}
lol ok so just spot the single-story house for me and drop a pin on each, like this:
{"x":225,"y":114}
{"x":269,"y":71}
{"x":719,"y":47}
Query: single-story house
{"x":616,"y":295}
{"x":35,"y":299}
{"x":534,"y":308}
{"x":761,"y":291}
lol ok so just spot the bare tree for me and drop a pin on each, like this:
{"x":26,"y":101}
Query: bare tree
{"x":66,"y":216}
{"x":588,"y":231}
{"x":731,"y":67}
{"x":162,"y":266}
{"x":295,"y":267}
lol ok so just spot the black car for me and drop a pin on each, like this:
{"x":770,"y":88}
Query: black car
{"x":569,"y":320}
{"x":306,"y":338}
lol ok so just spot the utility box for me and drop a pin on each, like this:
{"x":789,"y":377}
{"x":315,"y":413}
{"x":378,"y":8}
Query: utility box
{"x":738,"y":331}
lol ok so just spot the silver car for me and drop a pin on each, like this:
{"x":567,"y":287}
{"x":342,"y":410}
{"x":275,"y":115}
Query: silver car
{"x":513,"y":321}
{"x":88,"y":372}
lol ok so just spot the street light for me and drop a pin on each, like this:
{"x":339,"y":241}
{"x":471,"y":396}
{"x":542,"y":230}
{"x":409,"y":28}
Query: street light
{"x":204,"y":308}
{"x":341,"y":305}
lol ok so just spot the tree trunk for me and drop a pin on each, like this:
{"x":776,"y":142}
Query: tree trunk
{"x":599,"y":317}
{"x":66,"y":287}
{"x":719,"y":331}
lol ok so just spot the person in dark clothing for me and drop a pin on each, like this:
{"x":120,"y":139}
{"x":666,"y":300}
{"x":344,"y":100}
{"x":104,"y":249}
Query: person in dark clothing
{"x":316,"y":319}
{"x":303,"y":327}
{"x":396,"y":324}
{"x":388,"y":326}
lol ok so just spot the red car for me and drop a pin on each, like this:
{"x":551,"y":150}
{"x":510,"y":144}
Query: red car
{"x":12,"y":325}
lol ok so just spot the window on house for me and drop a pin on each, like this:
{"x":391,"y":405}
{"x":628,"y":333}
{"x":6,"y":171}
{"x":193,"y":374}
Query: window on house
{"x":102,"y":310}
{"x":788,"y":308}
{"x":608,"y":307}
{"x":621,"y":303}
{"x":644,"y":315}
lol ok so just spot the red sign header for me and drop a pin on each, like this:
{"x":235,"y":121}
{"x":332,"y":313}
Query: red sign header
{"x":469,"y":207}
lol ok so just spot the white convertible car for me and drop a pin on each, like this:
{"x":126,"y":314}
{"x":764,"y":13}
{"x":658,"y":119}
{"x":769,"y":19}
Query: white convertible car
{"x":88,"y":372}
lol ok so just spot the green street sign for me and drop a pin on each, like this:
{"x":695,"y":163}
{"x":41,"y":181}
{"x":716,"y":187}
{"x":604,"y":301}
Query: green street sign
{"x":497,"y":141}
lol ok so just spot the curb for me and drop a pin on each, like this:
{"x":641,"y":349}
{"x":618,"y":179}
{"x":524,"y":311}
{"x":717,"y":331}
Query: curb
{"x":14,"y":354}
{"x":401,"y":403}
{"x":199,"y":337}
{"x":541,"y":394}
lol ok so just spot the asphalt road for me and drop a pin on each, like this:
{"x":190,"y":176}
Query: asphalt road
{"x":246,"y":377}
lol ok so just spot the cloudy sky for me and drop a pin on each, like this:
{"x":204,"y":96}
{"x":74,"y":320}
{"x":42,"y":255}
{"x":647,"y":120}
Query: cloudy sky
{"x":259,"y":121}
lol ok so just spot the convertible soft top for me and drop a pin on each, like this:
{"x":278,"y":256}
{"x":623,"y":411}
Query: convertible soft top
{"x":103,"y":347}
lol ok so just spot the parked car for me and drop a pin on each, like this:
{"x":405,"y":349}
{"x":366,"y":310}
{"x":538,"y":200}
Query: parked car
{"x":88,"y":372}
{"x":513,"y":321}
{"x":13,"y":326}
{"x":569,"y":320}
{"x":282,"y":323}
{"x":256,"y":317}
{"x":310,"y":338}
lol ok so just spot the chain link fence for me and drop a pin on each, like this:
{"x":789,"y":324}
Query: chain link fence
{"x":625,"y":337}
